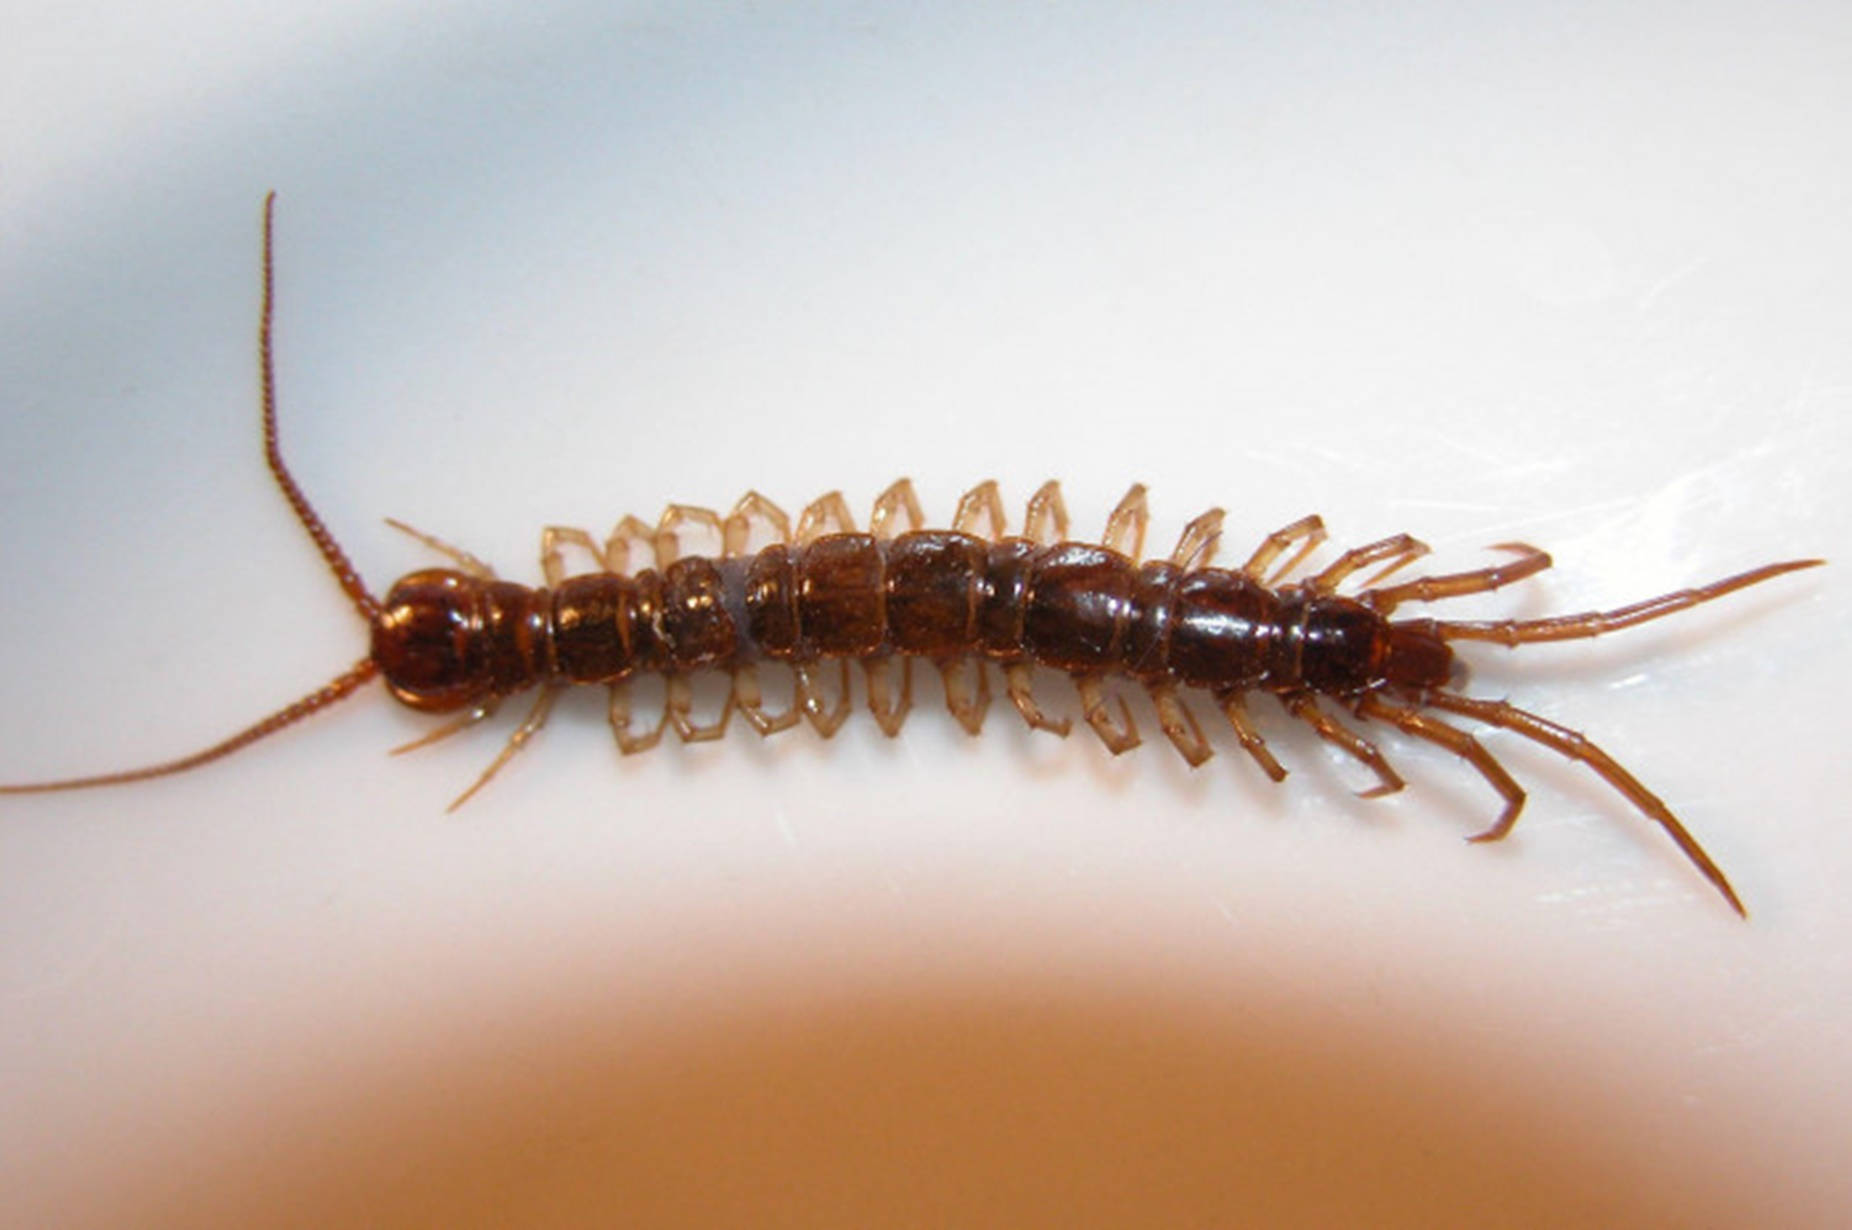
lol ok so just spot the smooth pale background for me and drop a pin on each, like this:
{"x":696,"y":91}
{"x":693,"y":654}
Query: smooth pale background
{"x":1572,"y":274}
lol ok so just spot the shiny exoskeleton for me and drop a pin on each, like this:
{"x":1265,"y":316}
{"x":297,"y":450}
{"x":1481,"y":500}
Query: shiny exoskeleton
{"x":967,"y":599}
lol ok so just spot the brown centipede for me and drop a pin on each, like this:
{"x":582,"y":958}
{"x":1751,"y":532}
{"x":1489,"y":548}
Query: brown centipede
{"x":458,"y":640}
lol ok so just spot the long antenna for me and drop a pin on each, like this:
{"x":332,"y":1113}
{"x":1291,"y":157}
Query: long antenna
{"x":336,"y":690}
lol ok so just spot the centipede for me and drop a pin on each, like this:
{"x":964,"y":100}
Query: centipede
{"x":457,"y":641}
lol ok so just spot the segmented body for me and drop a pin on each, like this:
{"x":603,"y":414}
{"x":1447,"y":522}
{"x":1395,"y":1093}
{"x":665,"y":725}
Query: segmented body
{"x":460,"y":640}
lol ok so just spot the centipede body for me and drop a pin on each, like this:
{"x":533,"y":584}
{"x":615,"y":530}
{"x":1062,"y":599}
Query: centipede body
{"x":968,"y":600}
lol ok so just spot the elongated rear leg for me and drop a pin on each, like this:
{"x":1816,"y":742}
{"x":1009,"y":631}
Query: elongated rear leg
{"x":1119,"y":737}
{"x":967,"y":691}
{"x":1019,"y":679}
{"x":1529,"y":563}
{"x":1196,"y":547}
{"x":1302,"y":706}
{"x":535,"y":719}
{"x":982,"y":502}
{"x":1576,"y":746}
{"x":1125,"y":528}
{"x":1179,"y":724}
{"x":1045,"y":521}
{"x":1234,"y":707}
{"x":1514,"y":632}
{"x":890,"y":709}
{"x":1308,"y":532}
{"x":1399,"y":550}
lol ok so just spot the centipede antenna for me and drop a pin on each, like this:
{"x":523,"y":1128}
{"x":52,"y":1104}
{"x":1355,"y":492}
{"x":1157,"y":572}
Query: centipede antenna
{"x":337,"y":690}
{"x":343,"y":570}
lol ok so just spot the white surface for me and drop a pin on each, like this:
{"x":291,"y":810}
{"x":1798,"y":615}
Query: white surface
{"x":1576,"y":278}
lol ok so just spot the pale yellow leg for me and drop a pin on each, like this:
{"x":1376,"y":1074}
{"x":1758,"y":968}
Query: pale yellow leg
{"x":813,"y":522}
{"x":619,"y":714}
{"x":1125,"y":528}
{"x":967,"y":691}
{"x":626,"y":538}
{"x":1307,"y":531}
{"x":899,"y":499}
{"x":535,"y":719}
{"x":750,"y":701}
{"x":1119,"y":738}
{"x":982,"y":501}
{"x":824,"y":719}
{"x":738,"y":534}
{"x":890,"y":710}
{"x":464,"y":560}
{"x":1180,"y":724}
{"x":553,"y":559}
{"x":668,"y":543}
{"x":1046,"y":520}
{"x":1200,"y":538}
{"x":1018,"y":677}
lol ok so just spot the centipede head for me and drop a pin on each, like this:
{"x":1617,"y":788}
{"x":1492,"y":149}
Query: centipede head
{"x":432,"y":641}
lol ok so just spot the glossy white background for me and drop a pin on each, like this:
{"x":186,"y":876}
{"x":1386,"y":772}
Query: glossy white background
{"x":1573,"y":275}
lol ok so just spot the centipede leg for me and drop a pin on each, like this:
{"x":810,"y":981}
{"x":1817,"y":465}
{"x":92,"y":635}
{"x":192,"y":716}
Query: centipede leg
{"x":967,"y":691}
{"x":677,"y":703}
{"x":625,"y":538}
{"x":535,"y":719}
{"x":1574,"y":745}
{"x":454,"y":726}
{"x":667,"y":542}
{"x":553,"y":560}
{"x":1235,"y":708}
{"x":463,"y":559}
{"x":824,"y":719}
{"x":900,"y":499}
{"x":820,"y":514}
{"x":1200,"y":537}
{"x":1125,"y":528}
{"x":737,"y":536}
{"x":982,"y":501}
{"x":1457,"y":741}
{"x":1019,"y":680}
{"x":1180,"y":724}
{"x":1045,"y":521}
{"x":890,"y":710}
{"x":750,"y":701}
{"x":1529,"y":563}
{"x":618,"y":713}
{"x":1307,"y":531}
{"x":1118,"y":737}
{"x":1302,"y":706}
{"x":1400,"y":550}
{"x":1599,"y":623}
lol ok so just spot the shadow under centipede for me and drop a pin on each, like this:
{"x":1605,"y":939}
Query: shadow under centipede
{"x":1085,"y":1096}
